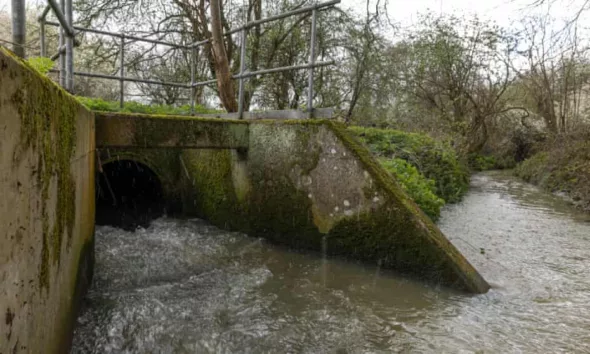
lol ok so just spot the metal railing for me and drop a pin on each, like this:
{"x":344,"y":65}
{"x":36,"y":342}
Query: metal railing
{"x":67,"y":33}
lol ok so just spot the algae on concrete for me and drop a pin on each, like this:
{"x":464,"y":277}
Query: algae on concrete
{"x":307,"y":180}
{"x":297,"y":183}
{"x":47,"y":177}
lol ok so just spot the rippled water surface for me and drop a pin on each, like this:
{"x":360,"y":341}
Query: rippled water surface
{"x":183,"y":286}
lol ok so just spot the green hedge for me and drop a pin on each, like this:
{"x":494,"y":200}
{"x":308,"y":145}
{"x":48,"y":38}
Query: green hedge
{"x":435,"y":160}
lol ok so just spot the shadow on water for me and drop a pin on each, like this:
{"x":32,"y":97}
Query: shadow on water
{"x":184,"y":286}
{"x":129,"y":195}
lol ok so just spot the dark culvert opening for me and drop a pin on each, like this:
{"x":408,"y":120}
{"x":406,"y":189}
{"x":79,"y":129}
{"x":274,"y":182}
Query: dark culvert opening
{"x":128,"y":195}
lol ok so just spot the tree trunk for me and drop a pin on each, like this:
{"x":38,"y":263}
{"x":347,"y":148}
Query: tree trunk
{"x":547,"y":110}
{"x":222,"y":72}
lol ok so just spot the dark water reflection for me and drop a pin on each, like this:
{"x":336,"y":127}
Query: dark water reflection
{"x":187,"y":287}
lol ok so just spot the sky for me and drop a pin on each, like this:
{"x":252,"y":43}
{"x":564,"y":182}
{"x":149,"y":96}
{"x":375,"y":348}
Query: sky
{"x":404,"y":12}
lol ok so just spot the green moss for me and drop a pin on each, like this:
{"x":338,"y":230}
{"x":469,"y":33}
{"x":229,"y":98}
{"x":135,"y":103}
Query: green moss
{"x":209,"y":188}
{"x":42,"y":64}
{"x":271,"y":205}
{"x":279,"y":211}
{"x":48,"y":127}
{"x":98,"y":104}
{"x":169,"y":117}
{"x":150,"y":131}
{"x":384,"y":233}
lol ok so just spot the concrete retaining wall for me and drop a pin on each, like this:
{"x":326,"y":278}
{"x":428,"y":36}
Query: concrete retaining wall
{"x":301,"y":181}
{"x":46,"y":209}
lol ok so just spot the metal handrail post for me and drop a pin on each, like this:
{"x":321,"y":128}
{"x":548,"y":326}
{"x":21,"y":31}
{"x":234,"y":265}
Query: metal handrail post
{"x":19,"y":27}
{"x":69,"y":47}
{"x":193,"y":88}
{"x":44,"y":12}
{"x":255,"y":23}
{"x":43,"y":48}
{"x":58,"y":10}
{"x":122,"y":72}
{"x":62,"y":61}
{"x":242,"y":68}
{"x":311,"y":64}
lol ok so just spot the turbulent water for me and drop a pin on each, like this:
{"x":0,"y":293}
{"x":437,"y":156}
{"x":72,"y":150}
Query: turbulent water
{"x":183,"y":286}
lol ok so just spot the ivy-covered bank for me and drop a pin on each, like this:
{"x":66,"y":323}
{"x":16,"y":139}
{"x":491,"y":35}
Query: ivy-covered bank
{"x":428,"y":170}
{"x":562,"y":166}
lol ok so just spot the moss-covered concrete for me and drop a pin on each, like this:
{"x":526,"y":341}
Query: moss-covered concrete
{"x":294,"y":183}
{"x":145,"y":131}
{"x":47,"y":206}
{"x":301,"y":181}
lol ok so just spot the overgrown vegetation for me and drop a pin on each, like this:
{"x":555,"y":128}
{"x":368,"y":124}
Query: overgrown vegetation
{"x":436,"y":160}
{"x":428,"y":170}
{"x":41,"y":64}
{"x":98,"y":104}
{"x":421,"y":189}
{"x":497,"y":95}
{"x":563,"y":166}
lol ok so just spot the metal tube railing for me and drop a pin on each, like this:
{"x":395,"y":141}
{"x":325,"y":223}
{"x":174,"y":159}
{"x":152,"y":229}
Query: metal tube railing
{"x":122,"y":72}
{"x":44,"y":13}
{"x":130,"y":79}
{"x":241,"y":79}
{"x":246,"y":75}
{"x":193,"y":72}
{"x":19,"y":31}
{"x":69,"y":62}
{"x":66,"y":44}
{"x":62,"y":42}
{"x":119,"y":35}
{"x":311,"y":63}
{"x":58,"y":11}
{"x":284,"y":68}
{"x":43,"y":48}
{"x":273,"y":18}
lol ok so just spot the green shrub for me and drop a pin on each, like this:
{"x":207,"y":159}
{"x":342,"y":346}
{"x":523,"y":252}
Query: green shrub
{"x":533,"y":170}
{"x":97,"y":104}
{"x":482,"y":163}
{"x":419,"y":188}
{"x":41,"y":64}
{"x":434,"y":159}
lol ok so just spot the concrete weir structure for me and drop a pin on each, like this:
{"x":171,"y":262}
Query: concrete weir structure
{"x":306,"y":184}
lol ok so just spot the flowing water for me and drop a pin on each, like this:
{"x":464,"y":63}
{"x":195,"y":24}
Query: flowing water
{"x":183,"y":286}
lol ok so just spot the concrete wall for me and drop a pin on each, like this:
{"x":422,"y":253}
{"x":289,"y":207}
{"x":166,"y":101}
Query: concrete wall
{"x":146,"y":131}
{"x":301,"y":183}
{"x":46,"y":209}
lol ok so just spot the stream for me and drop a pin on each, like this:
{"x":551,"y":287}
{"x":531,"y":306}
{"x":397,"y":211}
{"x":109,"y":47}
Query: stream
{"x":184,"y":286}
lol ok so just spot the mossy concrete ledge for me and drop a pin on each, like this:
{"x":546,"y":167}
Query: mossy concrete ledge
{"x":305,"y":183}
{"x":46,"y":209}
{"x":123,"y":130}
